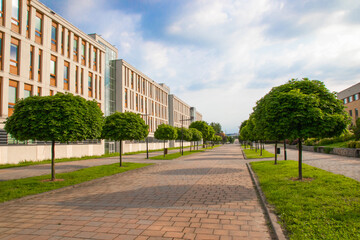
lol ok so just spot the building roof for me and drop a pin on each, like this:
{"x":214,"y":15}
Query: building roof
{"x":349,"y":91}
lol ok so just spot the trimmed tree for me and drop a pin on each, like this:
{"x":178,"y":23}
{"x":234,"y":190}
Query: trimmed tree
{"x":59,"y":118}
{"x":124,"y":126}
{"x":196,"y":136}
{"x":206,"y":130}
{"x":302,"y":109}
{"x":165,"y":132}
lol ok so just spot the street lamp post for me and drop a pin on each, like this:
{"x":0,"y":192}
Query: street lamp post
{"x":182,"y":135}
{"x":147,"y":139}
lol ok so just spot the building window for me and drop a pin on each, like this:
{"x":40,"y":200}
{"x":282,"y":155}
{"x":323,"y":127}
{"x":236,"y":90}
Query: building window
{"x":350,"y":113}
{"x":89,"y":56}
{"x":137,"y":102}
{"x":15,"y":16}
{"x":1,"y":12}
{"x":126,"y":98}
{"x":68,"y":45}
{"x":356,"y":97}
{"x":99,"y":88}
{"x":76,"y":79}
{"x":66,"y":76}
{"x":53,"y":71}
{"x":27,"y":90}
{"x":51,"y":93}
{"x":39,"y":91}
{"x":31,"y":68}
{"x":345,"y":100}
{"x":39,"y":65}
{"x":132,"y":80}
{"x":82,"y":81}
{"x":54,"y":27}
{"x":95,"y":58}
{"x":90,"y":85}
{"x":14,"y":56}
{"x":356,"y":113}
{"x":95,"y":86}
{"x":38,"y":28}
{"x":350,"y":99}
{"x":83,"y":53}
{"x":62,"y":41}
{"x":1,"y":49}
{"x":75,"y":48}
{"x":28,"y":20}
{"x":13,"y":95}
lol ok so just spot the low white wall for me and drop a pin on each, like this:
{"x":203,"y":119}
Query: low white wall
{"x":19,"y":153}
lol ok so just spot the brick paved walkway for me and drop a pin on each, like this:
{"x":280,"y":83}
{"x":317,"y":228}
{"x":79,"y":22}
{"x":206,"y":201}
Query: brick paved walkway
{"x":346,"y":166}
{"x":207,"y":196}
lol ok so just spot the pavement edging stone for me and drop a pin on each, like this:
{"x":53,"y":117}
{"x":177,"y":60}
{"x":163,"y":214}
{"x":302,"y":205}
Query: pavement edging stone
{"x":277,"y":230}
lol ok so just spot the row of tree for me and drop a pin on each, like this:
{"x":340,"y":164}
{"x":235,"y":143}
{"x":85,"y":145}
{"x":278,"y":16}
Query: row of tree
{"x":299,"y":109}
{"x":69,"y":118}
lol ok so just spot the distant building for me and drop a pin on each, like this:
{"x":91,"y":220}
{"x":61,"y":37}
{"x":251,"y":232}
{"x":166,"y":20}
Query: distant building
{"x":350,"y":98}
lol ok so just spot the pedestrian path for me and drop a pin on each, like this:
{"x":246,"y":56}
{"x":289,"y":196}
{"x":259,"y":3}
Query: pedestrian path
{"x":43,"y":169}
{"x":346,"y":166}
{"x":204,"y":196}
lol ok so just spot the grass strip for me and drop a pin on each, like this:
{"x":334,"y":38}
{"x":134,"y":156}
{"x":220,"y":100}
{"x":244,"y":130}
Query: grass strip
{"x":33,"y":185}
{"x":251,"y":154}
{"x":323,"y":206}
{"x":172,"y":156}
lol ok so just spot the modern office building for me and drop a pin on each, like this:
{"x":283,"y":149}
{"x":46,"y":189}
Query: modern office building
{"x":350,"y":98}
{"x":179,"y":112}
{"x":136,"y":92}
{"x":41,"y":54}
{"x":111,"y":54}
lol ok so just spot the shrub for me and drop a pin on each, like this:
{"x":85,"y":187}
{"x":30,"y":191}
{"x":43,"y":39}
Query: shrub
{"x":357,"y":144}
{"x":328,"y":149}
{"x":315,"y":148}
{"x":352,"y":144}
{"x":310,"y":142}
{"x":326,"y":141}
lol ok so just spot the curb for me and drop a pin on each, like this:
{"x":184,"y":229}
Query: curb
{"x":87,"y":183}
{"x":277,"y":230}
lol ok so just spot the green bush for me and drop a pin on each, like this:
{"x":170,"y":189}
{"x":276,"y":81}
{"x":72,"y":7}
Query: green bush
{"x":357,"y":144}
{"x":315,"y":148}
{"x":310,"y":142}
{"x":328,"y":149}
{"x":326,"y":141}
{"x":352,"y":144}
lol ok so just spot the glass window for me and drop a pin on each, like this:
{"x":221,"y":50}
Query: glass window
{"x":12,"y":94}
{"x":27,"y":93}
{"x":75,"y":46}
{"x":356,"y":112}
{"x":66,"y":74}
{"x":345,"y":100}
{"x":52,"y":67}
{"x":1,"y":8}
{"x":356,"y":97}
{"x":350,"y":112}
{"x":15,"y":12}
{"x":0,"y":50}
{"x":14,"y":55}
{"x":83,"y":51}
{"x":38,"y":26}
{"x":53,"y":34}
{"x":350,"y":99}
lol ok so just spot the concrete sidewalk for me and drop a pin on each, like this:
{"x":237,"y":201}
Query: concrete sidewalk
{"x":43,"y":169}
{"x":347,"y":166}
{"x":204,"y":196}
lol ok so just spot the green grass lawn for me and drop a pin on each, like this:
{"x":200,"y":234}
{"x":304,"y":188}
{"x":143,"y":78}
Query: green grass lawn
{"x":251,"y":153}
{"x":338,"y":144}
{"x":22,"y":187}
{"x":326,"y":207}
{"x":174,"y":155}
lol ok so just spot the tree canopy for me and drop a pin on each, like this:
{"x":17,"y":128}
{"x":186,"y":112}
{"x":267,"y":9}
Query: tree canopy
{"x":206,"y":130}
{"x":216,"y":127}
{"x":62,"y":118}
{"x":124,"y":126}
{"x":165,"y":132}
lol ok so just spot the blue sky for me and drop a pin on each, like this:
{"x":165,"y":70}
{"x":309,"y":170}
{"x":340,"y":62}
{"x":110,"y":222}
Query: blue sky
{"x":222,"y":55}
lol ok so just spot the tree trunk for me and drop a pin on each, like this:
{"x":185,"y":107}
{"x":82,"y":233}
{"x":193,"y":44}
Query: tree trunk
{"x":164,"y":148}
{"x":53,"y":160}
{"x":285,"y":155}
{"x":275,"y":152}
{"x":120,"y":154}
{"x":300,"y":159}
{"x":261,"y":150}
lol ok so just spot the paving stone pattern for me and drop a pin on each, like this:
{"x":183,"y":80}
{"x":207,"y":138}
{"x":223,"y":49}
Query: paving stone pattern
{"x":205,"y":196}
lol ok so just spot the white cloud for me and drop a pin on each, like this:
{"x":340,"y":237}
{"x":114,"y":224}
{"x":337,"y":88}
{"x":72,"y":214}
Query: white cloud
{"x":222,"y":55}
